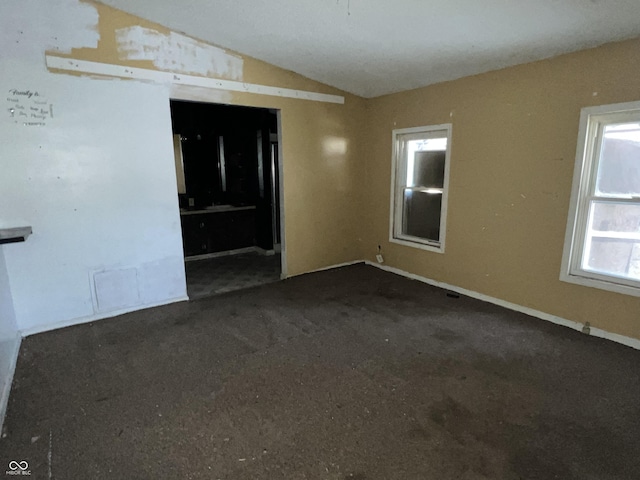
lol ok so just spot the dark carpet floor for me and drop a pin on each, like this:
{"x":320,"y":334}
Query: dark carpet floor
{"x":349,"y":374}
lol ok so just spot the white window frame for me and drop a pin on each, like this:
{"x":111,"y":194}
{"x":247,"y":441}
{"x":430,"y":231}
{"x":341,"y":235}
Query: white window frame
{"x":397,"y":190}
{"x":592,"y":120}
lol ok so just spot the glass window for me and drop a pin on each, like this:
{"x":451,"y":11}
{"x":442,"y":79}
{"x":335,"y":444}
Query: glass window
{"x":603,"y":235}
{"x":419,"y":189}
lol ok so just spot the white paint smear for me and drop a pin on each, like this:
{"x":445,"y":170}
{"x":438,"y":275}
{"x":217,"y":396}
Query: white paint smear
{"x":30,"y":27}
{"x":177,"y":53}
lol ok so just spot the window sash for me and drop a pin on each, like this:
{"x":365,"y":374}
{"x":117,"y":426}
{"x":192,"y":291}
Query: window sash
{"x":593,"y":123}
{"x":400,"y":163}
{"x":589,"y":233}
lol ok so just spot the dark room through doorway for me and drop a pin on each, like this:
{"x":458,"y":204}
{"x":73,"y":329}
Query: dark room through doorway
{"x":228,"y":175}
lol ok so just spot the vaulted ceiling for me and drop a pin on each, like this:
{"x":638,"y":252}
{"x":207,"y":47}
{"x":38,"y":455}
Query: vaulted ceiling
{"x":375,"y":47}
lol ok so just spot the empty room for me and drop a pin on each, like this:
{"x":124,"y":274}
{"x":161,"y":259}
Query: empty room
{"x":336,"y":240}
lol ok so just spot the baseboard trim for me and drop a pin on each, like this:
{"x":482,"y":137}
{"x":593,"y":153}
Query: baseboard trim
{"x":330,"y":267}
{"x":4,"y":395}
{"x":101,"y":316}
{"x":596,"y":332}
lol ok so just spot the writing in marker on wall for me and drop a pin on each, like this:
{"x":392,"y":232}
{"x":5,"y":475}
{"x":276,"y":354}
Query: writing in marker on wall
{"x":28,"y":107}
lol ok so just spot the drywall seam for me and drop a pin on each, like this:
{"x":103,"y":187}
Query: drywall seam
{"x":101,"y":316}
{"x":110,"y":70}
{"x":596,"y":332}
{"x":4,"y":395}
{"x":177,"y":53}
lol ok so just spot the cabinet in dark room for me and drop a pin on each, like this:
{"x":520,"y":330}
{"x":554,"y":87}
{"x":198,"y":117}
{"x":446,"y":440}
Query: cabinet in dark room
{"x":205,"y":232}
{"x":225,"y":156}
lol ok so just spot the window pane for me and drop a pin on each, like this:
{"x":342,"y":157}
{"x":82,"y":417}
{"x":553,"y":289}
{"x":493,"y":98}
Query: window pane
{"x":420,"y":186}
{"x":612,"y":242}
{"x":437,"y":143}
{"x":619,"y":165}
{"x":416,"y":151}
{"x":428,"y":169}
{"x":422,"y":214}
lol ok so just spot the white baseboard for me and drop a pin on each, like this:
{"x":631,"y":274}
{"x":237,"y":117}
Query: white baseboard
{"x":596,"y":332}
{"x":330,"y":267}
{"x":4,"y":395}
{"x":100,"y":316}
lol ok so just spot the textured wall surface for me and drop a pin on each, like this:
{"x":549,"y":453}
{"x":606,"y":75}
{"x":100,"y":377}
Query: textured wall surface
{"x":95,"y":176}
{"x":512,"y":159}
{"x":9,"y":337}
{"x":90,"y":167}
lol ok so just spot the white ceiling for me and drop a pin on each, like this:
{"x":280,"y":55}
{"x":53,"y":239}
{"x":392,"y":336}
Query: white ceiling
{"x":375,"y":47}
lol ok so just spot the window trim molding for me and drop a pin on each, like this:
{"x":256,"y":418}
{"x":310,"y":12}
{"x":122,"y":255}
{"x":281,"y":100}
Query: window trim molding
{"x":582,"y":177}
{"x":407,"y":240}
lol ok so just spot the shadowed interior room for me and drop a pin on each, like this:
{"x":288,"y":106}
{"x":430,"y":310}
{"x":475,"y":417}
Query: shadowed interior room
{"x":321,"y":240}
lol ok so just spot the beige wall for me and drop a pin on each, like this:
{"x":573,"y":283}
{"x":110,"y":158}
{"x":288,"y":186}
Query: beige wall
{"x":513,"y":150}
{"x":319,"y":148}
{"x":512,"y":158}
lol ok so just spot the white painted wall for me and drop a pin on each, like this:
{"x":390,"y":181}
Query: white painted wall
{"x":9,"y":337}
{"x":96,"y":181}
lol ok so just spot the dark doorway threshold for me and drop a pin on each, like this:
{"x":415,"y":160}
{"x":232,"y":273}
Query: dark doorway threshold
{"x":212,"y":276}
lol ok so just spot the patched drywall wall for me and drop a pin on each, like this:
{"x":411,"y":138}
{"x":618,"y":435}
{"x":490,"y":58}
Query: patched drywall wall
{"x":9,"y":336}
{"x":8,"y":327}
{"x":321,"y":194}
{"x":91,"y":167}
{"x":93,"y":170}
{"x":512,"y":159}
{"x":89,"y":164}
{"x":377,"y":47}
{"x":29,"y":26}
{"x":177,"y":53}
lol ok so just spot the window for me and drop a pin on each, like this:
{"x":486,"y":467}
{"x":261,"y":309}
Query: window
{"x":419,"y":179}
{"x":602,"y":247}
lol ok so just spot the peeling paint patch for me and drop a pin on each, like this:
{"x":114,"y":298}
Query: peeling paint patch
{"x":30,"y":27}
{"x":177,"y":53}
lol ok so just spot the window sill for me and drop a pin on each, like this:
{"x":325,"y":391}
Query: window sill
{"x":416,"y":244}
{"x":609,"y":285}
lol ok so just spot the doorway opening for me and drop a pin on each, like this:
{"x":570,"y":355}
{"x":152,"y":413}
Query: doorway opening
{"x":229,"y":191}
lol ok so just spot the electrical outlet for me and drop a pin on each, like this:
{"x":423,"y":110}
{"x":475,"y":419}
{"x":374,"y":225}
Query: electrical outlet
{"x":379,"y":258}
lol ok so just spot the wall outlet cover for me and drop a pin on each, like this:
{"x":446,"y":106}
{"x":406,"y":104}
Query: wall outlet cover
{"x":379,"y":258}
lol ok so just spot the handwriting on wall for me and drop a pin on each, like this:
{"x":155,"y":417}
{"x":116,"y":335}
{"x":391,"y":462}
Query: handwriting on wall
{"x":28,"y":107}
